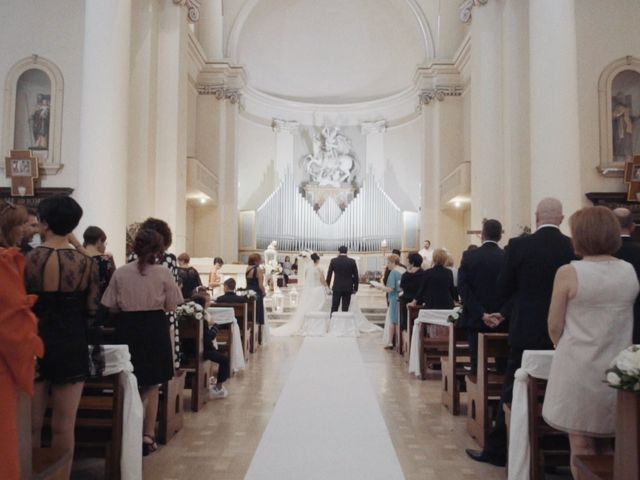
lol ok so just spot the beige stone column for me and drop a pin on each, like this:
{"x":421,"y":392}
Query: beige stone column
{"x":555,"y":137}
{"x":430,"y":173}
{"x":102,"y":171}
{"x":515,"y":97}
{"x":211,"y":29}
{"x":487,"y":166}
{"x":171,"y":122}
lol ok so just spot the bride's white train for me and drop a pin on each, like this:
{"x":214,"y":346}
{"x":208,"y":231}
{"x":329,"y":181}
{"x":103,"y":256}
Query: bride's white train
{"x":315,"y":298}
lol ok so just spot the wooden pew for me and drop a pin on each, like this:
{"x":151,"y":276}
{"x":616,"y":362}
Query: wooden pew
{"x":99,"y":425}
{"x":549,"y":447}
{"x":196,"y":368}
{"x":412,"y":314}
{"x":252,"y":326}
{"x":625,"y":462}
{"x":484,"y":388}
{"x":453,"y":369}
{"x":170,"y":407}
{"x":241,"y":312}
{"x":49,"y":464}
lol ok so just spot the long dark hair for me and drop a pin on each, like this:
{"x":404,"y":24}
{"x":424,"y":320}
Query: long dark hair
{"x":315,"y":257}
{"x":148,"y":245}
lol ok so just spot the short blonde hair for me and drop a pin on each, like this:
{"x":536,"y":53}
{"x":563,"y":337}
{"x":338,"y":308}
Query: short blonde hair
{"x":595,"y":231}
{"x":393,"y":258}
{"x":440,"y":257}
{"x":11,"y":217}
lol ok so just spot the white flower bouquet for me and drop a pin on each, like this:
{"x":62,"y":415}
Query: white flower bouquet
{"x":455,"y":315}
{"x":273,"y":267}
{"x":190,"y":310}
{"x":249,"y":294}
{"x":624,"y":372}
{"x":305,"y":253}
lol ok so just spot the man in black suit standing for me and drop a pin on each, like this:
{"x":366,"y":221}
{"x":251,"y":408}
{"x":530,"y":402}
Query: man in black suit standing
{"x":526,"y":283}
{"x":478,"y":287}
{"x":346,"y":281}
{"x":630,"y":252}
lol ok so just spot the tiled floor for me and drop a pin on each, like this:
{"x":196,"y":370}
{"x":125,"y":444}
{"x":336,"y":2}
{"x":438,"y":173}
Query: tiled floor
{"x":219,"y":441}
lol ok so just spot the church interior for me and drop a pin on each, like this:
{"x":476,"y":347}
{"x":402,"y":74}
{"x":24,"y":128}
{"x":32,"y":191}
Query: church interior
{"x":284,"y":128}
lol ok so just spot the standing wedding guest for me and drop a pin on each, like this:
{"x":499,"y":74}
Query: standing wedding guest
{"x":286,"y":269}
{"x":526,"y":282}
{"x":19,"y":341}
{"x":215,"y":277}
{"x":189,"y":276}
{"x":95,"y":243}
{"x":141,"y":294}
{"x":410,"y":283}
{"x":437,"y":290}
{"x":67,"y":284}
{"x":210,"y":352}
{"x":387,"y":271}
{"x":630,"y":252}
{"x":168,"y":260}
{"x":590,"y":322}
{"x":478,"y":287}
{"x":392,"y":287}
{"x":255,"y":282}
{"x":30,"y":229}
{"x":427,"y":254}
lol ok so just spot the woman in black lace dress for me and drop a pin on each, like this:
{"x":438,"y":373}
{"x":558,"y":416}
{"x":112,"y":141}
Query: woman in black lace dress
{"x":66,"y":283}
{"x":168,"y":260}
{"x":95,"y":243}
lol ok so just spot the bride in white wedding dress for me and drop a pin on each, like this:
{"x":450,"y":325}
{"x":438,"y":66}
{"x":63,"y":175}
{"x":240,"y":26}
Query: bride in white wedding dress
{"x":315,"y":298}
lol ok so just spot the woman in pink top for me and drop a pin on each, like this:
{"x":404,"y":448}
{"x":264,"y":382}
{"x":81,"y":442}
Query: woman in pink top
{"x":141,"y":292}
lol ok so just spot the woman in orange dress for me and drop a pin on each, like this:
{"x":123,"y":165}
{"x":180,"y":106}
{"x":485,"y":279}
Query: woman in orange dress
{"x":19,"y":341}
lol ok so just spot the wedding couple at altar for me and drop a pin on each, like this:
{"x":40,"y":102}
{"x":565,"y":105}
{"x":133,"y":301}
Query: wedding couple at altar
{"x":317,"y":296}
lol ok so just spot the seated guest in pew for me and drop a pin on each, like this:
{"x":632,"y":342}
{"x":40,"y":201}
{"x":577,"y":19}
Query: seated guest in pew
{"x":437,"y":290}
{"x":210,"y":352}
{"x":230,"y":295}
{"x":590,"y":322}
{"x":478,"y":287}
{"x":140,"y":293}
{"x":19,"y":340}
{"x":630,"y":252}
{"x":66,"y":283}
{"x":525,"y":283}
{"x":189,"y":276}
{"x":410,"y":284}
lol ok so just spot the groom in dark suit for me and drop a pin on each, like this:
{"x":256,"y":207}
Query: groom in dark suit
{"x":346,"y":281}
{"x":630,"y":252}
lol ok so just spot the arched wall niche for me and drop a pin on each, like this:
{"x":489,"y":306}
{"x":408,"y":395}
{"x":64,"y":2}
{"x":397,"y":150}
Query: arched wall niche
{"x":30,"y":84}
{"x":619,"y":104}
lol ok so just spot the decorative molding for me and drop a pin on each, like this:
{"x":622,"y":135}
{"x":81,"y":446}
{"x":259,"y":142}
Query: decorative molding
{"x":220,"y":91}
{"x":379,"y":126}
{"x":289,"y":126}
{"x":465,"y":10}
{"x":193,"y":9}
{"x":439,"y":93}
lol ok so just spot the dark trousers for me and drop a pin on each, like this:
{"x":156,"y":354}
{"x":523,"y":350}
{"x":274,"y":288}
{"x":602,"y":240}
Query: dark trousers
{"x":224,"y":366}
{"x":496,"y":442}
{"x":404,"y":317}
{"x":345,"y":297}
{"x":472,"y":337}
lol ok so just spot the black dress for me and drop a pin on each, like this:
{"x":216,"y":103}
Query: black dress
{"x":189,"y":281}
{"x":254,"y":284}
{"x":63,"y":314}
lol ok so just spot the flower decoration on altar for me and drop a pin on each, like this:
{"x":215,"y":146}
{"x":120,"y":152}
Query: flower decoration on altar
{"x":247,"y":293}
{"x":190,"y":310}
{"x":455,"y":315}
{"x":624,"y":372}
{"x":305,"y":253}
{"x":272,"y":267}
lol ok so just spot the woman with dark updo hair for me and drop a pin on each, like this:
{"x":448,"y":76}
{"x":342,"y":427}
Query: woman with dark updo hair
{"x":141,"y":293}
{"x":169,"y":261}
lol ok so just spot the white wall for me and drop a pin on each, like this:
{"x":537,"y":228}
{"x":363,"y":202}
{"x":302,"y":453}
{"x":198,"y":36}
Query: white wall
{"x":255,"y":156}
{"x":402,"y":152}
{"x":54,"y":30}
{"x":606,"y":31}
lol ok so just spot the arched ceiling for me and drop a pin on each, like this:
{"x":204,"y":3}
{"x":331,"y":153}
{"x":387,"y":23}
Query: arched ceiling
{"x":331,"y":51}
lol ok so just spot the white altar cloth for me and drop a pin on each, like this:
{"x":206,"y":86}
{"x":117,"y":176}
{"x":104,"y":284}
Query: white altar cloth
{"x":118,"y":359}
{"x":225,"y":316}
{"x":537,"y":364}
{"x":432,"y":317}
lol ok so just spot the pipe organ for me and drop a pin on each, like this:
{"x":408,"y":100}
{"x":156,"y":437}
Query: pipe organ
{"x":287,"y":217}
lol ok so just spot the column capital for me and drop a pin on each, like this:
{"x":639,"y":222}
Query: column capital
{"x":466,"y":7}
{"x":289,"y":126}
{"x":439,"y":93}
{"x":193,"y":9}
{"x":379,"y":126}
{"x":221,"y":92}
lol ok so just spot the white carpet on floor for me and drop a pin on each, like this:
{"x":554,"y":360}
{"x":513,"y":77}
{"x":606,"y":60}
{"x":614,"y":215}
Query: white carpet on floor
{"x":327,"y":424}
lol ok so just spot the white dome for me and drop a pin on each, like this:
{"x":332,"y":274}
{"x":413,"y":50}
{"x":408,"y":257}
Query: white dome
{"x":331,"y":51}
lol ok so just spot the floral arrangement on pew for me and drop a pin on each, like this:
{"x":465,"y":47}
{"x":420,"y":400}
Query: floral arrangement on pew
{"x":190,"y":310}
{"x":247,"y":293}
{"x":624,"y":372}
{"x":455,"y":315}
{"x":272,"y":267}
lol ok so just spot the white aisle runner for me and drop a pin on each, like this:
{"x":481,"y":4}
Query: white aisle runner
{"x":327,"y":424}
